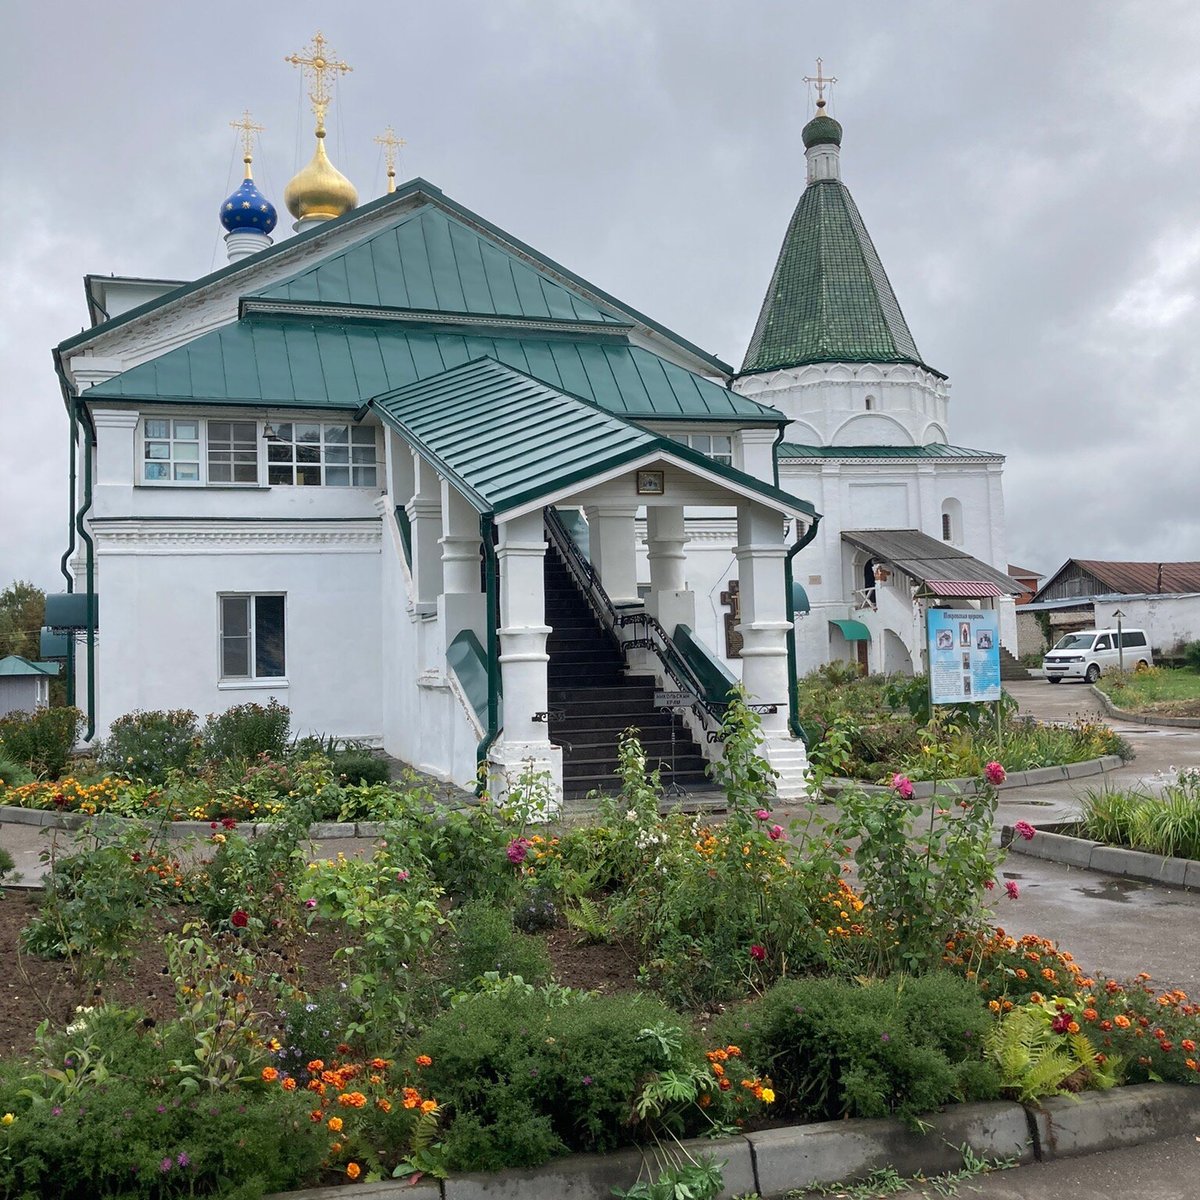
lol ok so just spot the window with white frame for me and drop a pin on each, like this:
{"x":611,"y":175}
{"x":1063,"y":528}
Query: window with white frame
{"x":252,"y":636}
{"x":171,"y":450}
{"x":717,"y":446}
{"x":232,"y":451}
{"x":315,"y":454}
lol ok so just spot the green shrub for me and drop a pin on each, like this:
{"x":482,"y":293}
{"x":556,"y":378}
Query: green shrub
{"x":485,"y":940}
{"x":1191,"y":655}
{"x":528,"y":1077}
{"x":146,"y":745}
{"x":42,"y":741}
{"x":13,"y":774}
{"x":360,"y":767}
{"x":248,"y":730}
{"x":834,"y":1049}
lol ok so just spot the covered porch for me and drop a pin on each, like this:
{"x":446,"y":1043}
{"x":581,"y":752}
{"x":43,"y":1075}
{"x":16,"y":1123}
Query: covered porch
{"x":486,"y":468}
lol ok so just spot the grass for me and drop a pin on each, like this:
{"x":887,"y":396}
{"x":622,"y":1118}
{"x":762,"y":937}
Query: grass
{"x":1168,"y":824}
{"x":1168,"y":692}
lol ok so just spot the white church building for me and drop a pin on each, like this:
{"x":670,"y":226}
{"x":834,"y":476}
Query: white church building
{"x":431,"y":489}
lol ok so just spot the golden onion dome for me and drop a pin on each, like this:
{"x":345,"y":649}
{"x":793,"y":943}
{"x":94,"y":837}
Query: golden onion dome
{"x":319,"y":191}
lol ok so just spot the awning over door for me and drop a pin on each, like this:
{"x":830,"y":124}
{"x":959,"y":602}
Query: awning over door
{"x":960,"y":589}
{"x":853,"y":631}
{"x":927,"y":561}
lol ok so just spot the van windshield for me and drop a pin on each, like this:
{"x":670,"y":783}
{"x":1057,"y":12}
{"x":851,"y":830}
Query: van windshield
{"x":1075,"y":641}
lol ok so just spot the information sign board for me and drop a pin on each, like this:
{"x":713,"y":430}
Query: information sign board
{"x":964,"y":655}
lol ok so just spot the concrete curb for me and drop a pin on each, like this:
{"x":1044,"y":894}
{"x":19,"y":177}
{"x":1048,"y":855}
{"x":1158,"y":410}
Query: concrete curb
{"x":1016,"y":779}
{"x":1123,"y":714}
{"x":1112,"y":860}
{"x":777,"y":1161}
{"x":318,"y":832}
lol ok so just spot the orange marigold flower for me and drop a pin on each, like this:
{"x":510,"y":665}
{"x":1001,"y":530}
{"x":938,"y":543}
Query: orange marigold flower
{"x":411,"y":1097}
{"x":1106,"y":1025}
{"x":269,"y":1074}
{"x":352,"y":1099}
{"x":725,"y":1085}
{"x":342,"y":1048}
{"x":289,"y":1084}
{"x":1022,"y":973}
{"x":428,"y":1106}
{"x":1143,"y":976}
{"x":1048,"y":975}
{"x":1188,"y":1045}
{"x":1035,"y":997}
{"x":1121,"y":1021}
{"x":705,"y":1100}
{"x":336,"y":1148}
{"x":353,"y":1170}
{"x":733,"y":1051}
{"x":316,"y":1065}
{"x":718,"y":1070}
{"x":1190,"y":1063}
{"x":383,"y":1104}
{"x":1167,"y":1047}
{"x":423,"y":1060}
{"x":1073,"y":1027}
{"x":1090,"y":1014}
{"x":335,"y":1124}
{"x":316,"y":1115}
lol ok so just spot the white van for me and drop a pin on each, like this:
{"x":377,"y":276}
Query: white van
{"x":1090,"y":652}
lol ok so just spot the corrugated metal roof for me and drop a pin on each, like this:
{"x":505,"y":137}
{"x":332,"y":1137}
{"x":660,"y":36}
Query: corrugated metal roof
{"x":829,"y":299}
{"x":924,"y":558}
{"x":961,"y":589}
{"x":284,"y":361}
{"x":933,"y":450}
{"x":506,"y":439}
{"x":1153,"y":578}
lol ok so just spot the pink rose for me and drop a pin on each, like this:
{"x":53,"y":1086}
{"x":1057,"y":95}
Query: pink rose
{"x":240,"y":918}
{"x":1024,"y":830}
{"x":1011,"y":888}
{"x":775,"y":832}
{"x":518,"y":848}
{"x":763,"y":815}
{"x":995,"y":774}
{"x":902,"y":785}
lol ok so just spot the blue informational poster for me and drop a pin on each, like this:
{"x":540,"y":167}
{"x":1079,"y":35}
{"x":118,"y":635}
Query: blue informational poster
{"x":964,"y":655}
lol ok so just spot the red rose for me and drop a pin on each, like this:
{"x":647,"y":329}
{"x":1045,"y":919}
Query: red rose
{"x":757,"y":953}
{"x":240,"y":918}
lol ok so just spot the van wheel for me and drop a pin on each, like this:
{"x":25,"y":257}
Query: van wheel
{"x":1093,"y":673}
{"x":1054,"y":679}
{"x":1143,"y":665}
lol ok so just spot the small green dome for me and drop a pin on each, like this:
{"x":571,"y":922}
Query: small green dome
{"x":822,"y":130}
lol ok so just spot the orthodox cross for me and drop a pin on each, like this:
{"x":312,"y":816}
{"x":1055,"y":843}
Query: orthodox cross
{"x":822,"y":81}
{"x":390,"y":143}
{"x":316,"y":62}
{"x":249,"y":129}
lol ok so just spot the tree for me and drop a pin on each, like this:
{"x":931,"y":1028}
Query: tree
{"x":22,"y":611}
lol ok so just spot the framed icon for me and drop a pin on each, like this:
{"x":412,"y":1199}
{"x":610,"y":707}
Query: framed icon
{"x":650,"y":483}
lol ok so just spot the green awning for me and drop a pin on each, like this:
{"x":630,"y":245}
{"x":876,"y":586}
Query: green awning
{"x":800,"y":601}
{"x":853,"y":631}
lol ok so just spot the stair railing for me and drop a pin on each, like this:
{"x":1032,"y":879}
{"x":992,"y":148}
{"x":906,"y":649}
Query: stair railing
{"x":709,"y":709}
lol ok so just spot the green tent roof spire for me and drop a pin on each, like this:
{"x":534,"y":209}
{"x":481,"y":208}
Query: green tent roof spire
{"x":830,"y":299}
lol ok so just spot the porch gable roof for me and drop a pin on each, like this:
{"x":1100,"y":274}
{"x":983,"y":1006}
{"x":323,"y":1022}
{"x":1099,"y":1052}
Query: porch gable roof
{"x":926,"y":560}
{"x":506,"y":440}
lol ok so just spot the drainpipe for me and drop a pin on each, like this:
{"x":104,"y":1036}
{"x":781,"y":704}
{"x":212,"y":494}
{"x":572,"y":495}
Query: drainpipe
{"x":794,"y":726}
{"x":70,"y":550}
{"x":491,"y":586}
{"x":90,"y":568}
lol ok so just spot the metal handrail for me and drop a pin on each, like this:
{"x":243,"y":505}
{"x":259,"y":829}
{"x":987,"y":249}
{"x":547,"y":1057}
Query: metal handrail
{"x":655,"y":638}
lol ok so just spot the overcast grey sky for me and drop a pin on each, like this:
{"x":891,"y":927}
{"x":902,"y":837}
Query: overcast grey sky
{"x":1029,"y":171}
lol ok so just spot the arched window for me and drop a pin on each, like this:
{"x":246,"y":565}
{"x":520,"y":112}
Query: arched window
{"x":870,"y":402}
{"x":952,"y":525}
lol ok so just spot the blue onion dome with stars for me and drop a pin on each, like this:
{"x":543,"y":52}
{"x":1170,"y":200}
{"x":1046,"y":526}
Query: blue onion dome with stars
{"x":248,"y":208}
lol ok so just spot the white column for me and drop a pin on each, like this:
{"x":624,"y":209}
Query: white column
{"x":462,"y":603}
{"x":764,"y":627}
{"x":425,"y":520}
{"x":756,"y":452}
{"x":524,"y":748}
{"x":117,"y":464}
{"x":666,"y":536}
{"x":613,"y":551}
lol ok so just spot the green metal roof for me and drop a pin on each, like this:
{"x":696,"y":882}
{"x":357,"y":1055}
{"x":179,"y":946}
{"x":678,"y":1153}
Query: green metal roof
{"x":403,"y":198}
{"x":433,"y":262}
{"x":505,"y":439}
{"x":14,"y":664}
{"x":829,"y":299}
{"x":289,"y":361}
{"x":853,"y":631}
{"x":933,"y":450}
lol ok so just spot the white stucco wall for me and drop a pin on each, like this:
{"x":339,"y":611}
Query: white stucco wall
{"x":1169,"y":621}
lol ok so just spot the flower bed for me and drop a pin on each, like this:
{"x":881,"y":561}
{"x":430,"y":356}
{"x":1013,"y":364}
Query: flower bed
{"x":430,"y":1033}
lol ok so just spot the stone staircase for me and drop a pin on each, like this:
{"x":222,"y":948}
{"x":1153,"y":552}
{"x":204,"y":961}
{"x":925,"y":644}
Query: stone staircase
{"x":1011,"y":669}
{"x":592,"y":700}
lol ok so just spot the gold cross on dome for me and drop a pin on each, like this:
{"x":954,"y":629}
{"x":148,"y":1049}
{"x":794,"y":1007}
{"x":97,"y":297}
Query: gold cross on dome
{"x":316,"y":61}
{"x":249,"y":129}
{"x":822,"y":81}
{"x":391,"y":144}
